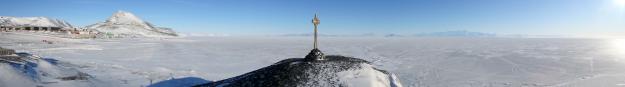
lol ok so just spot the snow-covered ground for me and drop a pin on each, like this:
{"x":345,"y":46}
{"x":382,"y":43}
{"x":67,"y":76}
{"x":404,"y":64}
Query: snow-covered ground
{"x":417,"y":62}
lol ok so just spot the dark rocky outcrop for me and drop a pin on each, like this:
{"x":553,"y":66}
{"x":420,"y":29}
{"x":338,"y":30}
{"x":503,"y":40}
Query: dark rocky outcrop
{"x":315,"y":54}
{"x":299,"y":72}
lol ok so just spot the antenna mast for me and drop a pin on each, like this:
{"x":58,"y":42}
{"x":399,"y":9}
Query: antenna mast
{"x":315,"y":21}
{"x":315,"y":54}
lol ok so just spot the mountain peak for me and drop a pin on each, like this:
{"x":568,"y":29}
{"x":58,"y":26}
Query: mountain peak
{"x":123,"y":24}
{"x":127,"y":18}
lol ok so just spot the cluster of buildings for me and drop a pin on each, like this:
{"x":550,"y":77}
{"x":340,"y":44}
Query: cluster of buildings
{"x":4,"y":51}
{"x":8,"y":55}
{"x":30,"y":28}
{"x":73,"y":32}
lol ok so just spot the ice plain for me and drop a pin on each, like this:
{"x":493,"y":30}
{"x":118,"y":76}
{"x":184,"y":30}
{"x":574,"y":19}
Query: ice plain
{"x":416,"y":61}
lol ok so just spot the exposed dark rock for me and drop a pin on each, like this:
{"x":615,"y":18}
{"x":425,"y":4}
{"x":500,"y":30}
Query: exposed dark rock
{"x":79,"y":76}
{"x":315,"y":54}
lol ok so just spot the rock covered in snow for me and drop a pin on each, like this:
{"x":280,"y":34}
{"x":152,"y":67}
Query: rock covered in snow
{"x":334,"y":71}
{"x":33,"y":21}
{"x":127,"y":24}
{"x":27,"y":70}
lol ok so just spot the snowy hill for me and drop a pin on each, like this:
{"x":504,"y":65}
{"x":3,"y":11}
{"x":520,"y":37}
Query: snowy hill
{"x":33,"y":21}
{"x":334,"y":71}
{"x":126,"y":24}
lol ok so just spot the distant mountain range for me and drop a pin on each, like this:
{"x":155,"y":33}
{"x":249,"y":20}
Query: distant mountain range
{"x":126,"y":24}
{"x":121,"y":24}
{"x":33,"y":21}
{"x":462,"y":33}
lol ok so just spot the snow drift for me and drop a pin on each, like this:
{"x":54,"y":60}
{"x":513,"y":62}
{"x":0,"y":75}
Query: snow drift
{"x":334,"y":71}
{"x":126,"y":24}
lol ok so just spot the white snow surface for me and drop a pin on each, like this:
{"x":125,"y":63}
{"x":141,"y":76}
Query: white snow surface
{"x":128,"y":25}
{"x":33,"y":21}
{"x":367,"y":76}
{"x":417,"y":62}
{"x":10,"y":77}
{"x":38,"y":71}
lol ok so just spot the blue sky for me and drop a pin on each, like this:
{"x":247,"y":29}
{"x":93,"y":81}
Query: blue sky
{"x":258,"y":17}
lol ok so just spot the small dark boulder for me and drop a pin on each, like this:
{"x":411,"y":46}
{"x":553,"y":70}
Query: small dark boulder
{"x":79,"y":76}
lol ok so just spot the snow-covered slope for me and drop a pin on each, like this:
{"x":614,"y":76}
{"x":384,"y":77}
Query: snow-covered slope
{"x":33,"y":71}
{"x":33,"y":21}
{"x":127,"y":24}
